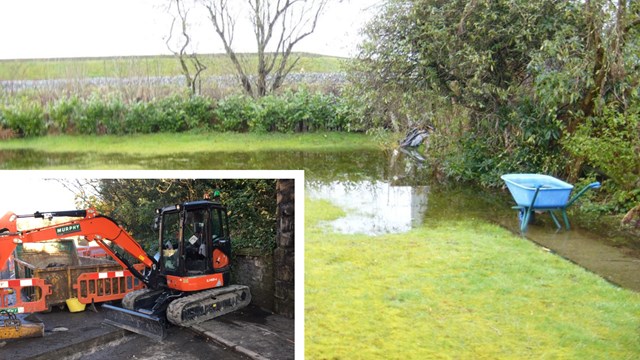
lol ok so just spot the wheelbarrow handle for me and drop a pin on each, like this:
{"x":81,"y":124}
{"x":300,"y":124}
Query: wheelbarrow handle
{"x":593,"y":185}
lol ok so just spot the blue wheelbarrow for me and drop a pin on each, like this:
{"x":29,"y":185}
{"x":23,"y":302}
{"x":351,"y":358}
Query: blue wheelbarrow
{"x":541,"y":193}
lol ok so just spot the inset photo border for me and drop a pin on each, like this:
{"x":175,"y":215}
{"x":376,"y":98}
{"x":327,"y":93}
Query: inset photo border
{"x":253,"y":218}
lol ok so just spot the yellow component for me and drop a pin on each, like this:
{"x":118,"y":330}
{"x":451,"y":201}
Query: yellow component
{"x":24,"y":330}
{"x":75,"y":305}
{"x":141,"y":257}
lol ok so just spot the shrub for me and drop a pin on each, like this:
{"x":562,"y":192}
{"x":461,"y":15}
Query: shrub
{"x":112,"y":116}
{"x":102,"y":116}
{"x":199,"y":112}
{"x":64,"y":113}
{"x":25,"y":118}
{"x":291,"y":112}
{"x":610,"y":144}
{"x":270,"y":115}
{"x":235,"y":113}
{"x":297,"y":112}
{"x":177,"y":114}
{"x":138,"y":118}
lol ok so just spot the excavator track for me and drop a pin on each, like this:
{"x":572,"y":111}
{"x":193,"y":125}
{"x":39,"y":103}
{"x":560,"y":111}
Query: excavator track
{"x":129,"y":300}
{"x":206,"y":305}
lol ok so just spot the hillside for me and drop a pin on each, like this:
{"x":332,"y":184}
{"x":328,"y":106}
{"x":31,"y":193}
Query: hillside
{"x":143,"y":66}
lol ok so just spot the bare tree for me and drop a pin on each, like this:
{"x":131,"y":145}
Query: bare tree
{"x":278,"y":25}
{"x":191,"y":65}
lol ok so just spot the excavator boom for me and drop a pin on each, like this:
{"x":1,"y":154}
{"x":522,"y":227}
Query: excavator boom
{"x":90,"y":225}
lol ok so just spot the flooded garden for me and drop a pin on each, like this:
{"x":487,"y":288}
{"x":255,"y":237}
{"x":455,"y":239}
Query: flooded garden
{"x":381,"y":192}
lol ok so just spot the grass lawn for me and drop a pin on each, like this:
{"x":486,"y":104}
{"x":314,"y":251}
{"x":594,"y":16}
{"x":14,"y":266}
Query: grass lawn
{"x":161,"y":144}
{"x":459,"y":290}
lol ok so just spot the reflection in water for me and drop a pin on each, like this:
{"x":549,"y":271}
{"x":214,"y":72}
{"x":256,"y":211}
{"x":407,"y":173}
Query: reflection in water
{"x":373,"y":208}
{"x":321,"y":165}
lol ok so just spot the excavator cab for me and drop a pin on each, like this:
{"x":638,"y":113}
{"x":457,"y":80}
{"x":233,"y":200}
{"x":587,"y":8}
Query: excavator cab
{"x":194,"y":239}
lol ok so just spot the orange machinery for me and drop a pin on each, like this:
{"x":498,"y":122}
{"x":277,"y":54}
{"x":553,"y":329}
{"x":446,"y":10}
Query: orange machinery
{"x":186,"y":282}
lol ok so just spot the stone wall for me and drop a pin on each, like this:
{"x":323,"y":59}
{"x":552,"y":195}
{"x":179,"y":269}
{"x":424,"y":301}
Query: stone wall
{"x":219,"y":82}
{"x":256,"y":271}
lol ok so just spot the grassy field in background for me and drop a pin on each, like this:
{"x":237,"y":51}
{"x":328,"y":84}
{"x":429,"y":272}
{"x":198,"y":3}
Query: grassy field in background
{"x":456,"y":290}
{"x":142,"y":66}
{"x":162,"y":144}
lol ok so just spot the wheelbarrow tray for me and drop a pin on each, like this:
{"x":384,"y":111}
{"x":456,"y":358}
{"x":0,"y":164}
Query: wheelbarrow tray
{"x":553,"y":193}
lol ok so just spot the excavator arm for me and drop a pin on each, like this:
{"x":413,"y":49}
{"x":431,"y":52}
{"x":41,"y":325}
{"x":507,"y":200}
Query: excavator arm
{"x":89,"y":224}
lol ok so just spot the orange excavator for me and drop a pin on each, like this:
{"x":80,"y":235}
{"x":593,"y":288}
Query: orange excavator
{"x":187,"y":282}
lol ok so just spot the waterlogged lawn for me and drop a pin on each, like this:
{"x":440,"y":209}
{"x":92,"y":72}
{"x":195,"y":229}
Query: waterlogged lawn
{"x":459,"y":289}
{"x":164,"y":144}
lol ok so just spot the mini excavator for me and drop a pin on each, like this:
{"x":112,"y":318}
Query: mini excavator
{"x":187,"y":282}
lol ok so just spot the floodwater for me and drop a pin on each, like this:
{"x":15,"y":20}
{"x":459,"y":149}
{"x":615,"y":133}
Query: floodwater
{"x":373,"y":208}
{"x":381,"y":192}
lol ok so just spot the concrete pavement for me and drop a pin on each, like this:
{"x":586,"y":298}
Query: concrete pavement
{"x":253,"y":333}
{"x":250,"y":332}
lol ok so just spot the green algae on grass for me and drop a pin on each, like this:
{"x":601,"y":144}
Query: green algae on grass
{"x":457,"y":289}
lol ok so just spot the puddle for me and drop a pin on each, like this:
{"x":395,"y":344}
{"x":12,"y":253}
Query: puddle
{"x":582,"y":247}
{"x":373,"y":208}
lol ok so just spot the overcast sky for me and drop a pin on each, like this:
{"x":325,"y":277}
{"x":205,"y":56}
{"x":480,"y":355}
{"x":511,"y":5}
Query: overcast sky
{"x":92,"y":28}
{"x":24,"y":194}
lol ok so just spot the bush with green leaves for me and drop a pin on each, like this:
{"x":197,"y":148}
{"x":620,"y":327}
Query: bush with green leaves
{"x":234,"y":113}
{"x":311,"y":112}
{"x":197,"y":112}
{"x":64,"y":113}
{"x":138,"y":118}
{"x":111,"y":114}
{"x":270,"y":115}
{"x":25,"y":117}
{"x":299,"y":111}
{"x":290,"y":112}
{"x":611,"y":145}
{"x":102,"y":116}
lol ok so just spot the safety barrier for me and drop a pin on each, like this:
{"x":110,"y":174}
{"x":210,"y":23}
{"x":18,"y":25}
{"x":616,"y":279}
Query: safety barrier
{"x":105,"y":286}
{"x":24,"y":295}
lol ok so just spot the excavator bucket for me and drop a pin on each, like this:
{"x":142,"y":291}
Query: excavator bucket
{"x":148,"y":325}
{"x":16,"y":326}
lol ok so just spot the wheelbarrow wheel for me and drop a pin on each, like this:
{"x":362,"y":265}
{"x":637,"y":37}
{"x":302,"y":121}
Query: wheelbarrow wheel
{"x":521,"y":216}
{"x":522,"y":212}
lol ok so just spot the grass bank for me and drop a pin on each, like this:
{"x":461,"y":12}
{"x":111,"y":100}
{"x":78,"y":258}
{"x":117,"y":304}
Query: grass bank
{"x":134,"y":66}
{"x":458,"y":289}
{"x":164,"y":144}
